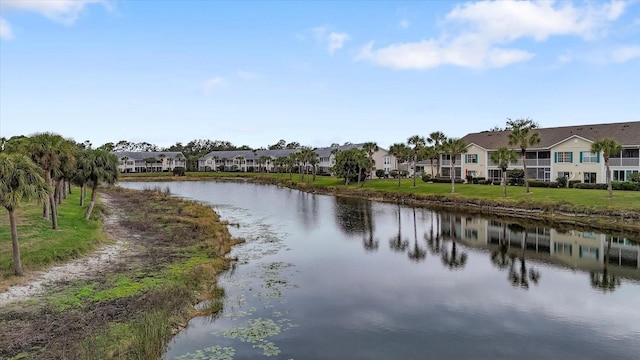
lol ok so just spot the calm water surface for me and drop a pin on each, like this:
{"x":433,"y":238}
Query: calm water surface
{"x":323,"y":277}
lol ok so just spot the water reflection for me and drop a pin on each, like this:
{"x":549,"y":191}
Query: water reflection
{"x":398,"y":243}
{"x":417,"y":253}
{"x":355,"y":217}
{"x":605,"y":281}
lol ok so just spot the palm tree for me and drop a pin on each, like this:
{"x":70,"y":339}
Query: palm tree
{"x":149,"y":161}
{"x":502,"y":158}
{"x":215,"y":163}
{"x":453,"y":260}
{"x":162,"y":157}
{"x":224,"y":163}
{"x":370,"y":148}
{"x":80,"y":175}
{"x":521,"y":278}
{"x":179,"y":159}
{"x":454,"y":147}
{"x":398,"y":243}
{"x":44,"y":149}
{"x":418,"y":143}
{"x":416,"y":254}
{"x":102,"y":167}
{"x":314,"y":160}
{"x":437,"y":138}
{"x":607,"y":147}
{"x":20,"y":181}
{"x":124,"y":161}
{"x":522,"y":134}
{"x":400,"y":151}
{"x":430,"y":152}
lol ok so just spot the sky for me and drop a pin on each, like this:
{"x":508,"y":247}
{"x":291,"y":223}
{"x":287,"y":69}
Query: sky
{"x":315,"y":72}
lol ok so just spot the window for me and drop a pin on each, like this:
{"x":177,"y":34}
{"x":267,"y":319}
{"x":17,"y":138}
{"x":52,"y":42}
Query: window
{"x":495,"y":174}
{"x":562,"y":248}
{"x":387,"y":160}
{"x":589,"y":252}
{"x":590,"y":177}
{"x":564,"y":157}
{"x":589,"y":157}
{"x":563,"y":174}
{"x":471,"y":158}
{"x":471,"y":234}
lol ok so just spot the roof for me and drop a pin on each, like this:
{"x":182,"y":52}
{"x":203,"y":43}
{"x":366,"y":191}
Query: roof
{"x":249,"y":154}
{"x":626,"y":134}
{"x":141,"y":155}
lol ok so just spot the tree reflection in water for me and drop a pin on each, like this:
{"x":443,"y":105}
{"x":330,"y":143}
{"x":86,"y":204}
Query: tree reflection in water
{"x":416,"y":253}
{"x":452,"y":259}
{"x":434,"y":239}
{"x":356,"y":217}
{"x":520,"y":277}
{"x":605,"y":281}
{"x":397,"y":243}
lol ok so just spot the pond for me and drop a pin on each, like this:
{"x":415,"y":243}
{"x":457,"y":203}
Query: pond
{"x":324,"y":277}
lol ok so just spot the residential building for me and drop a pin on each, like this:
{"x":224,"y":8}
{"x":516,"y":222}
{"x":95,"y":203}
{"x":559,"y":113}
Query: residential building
{"x":562,"y":152}
{"x":149,"y":161}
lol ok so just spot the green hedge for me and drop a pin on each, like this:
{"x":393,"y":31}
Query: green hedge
{"x":543,"y":184}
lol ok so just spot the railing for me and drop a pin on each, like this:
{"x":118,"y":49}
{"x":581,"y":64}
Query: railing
{"x":624,"y":161}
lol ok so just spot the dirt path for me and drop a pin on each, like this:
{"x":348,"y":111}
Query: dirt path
{"x":91,"y":264}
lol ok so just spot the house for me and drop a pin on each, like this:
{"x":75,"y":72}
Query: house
{"x":149,"y":161}
{"x":266,"y":160}
{"x":242,"y":160}
{"x":562,"y":152}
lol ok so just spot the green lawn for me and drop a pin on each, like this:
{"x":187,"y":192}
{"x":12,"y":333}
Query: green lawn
{"x":580,"y":199}
{"x":39,"y":244}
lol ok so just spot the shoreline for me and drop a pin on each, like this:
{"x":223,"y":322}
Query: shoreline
{"x":619,"y":222}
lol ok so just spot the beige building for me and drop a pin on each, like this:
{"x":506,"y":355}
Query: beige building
{"x":562,"y":152}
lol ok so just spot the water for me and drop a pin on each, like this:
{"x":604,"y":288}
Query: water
{"x":323,"y":277}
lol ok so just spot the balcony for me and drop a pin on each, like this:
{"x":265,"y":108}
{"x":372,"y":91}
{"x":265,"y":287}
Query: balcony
{"x":624,"y":161}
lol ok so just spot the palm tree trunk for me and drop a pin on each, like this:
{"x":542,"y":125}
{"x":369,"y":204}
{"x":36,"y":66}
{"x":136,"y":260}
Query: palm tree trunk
{"x":17,"y":264}
{"x":52,"y":203}
{"x":45,"y":210}
{"x":524,"y":166}
{"x":609,"y":186}
{"x":69,"y":185}
{"x":453,"y":176}
{"x":93,"y":201}
{"x":415,"y":167}
{"x":359,"y":172}
{"x":82,"y":192}
{"x":504,"y":183}
{"x":398,"y":172}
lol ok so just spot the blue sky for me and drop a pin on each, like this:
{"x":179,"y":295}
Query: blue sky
{"x":254,"y":72}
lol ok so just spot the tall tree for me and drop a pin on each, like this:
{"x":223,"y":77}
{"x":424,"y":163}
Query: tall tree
{"x":430,"y":152}
{"x":418,"y":143}
{"x":370,"y":148}
{"x":20,"y":181}
{"x":454,"y":147}
{"x":502,"y":158}
{"x":437,"y":138}
{"x":523,"y":135}
{"x":102,"y":167}
{"x":607,"y":147}
{"x":401,"y":153}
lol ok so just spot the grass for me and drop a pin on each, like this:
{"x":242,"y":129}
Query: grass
{"x":40,"y":246}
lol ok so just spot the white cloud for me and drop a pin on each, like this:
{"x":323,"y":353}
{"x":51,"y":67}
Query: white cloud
{"x":247,"y":75}
{"x":404,"y":24}
{"x":332,"y":40}
{"x":480,"y":32}
{"x":63,"y":11}
{"x":5,"y":30}
{"x":211,"y":84}
{"x":625,"y":53}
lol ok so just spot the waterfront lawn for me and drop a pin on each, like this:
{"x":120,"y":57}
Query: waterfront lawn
{"x":41,"y":246}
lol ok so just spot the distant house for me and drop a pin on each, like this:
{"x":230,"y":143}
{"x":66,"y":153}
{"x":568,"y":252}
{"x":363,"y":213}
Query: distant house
{"x":266,"y":160}
{"x":562,"y":152}
{"x":149,"y":161}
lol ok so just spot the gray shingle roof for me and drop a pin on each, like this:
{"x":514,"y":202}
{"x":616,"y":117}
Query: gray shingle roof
{"x":627,"y":134}
{"x":141,"y":155}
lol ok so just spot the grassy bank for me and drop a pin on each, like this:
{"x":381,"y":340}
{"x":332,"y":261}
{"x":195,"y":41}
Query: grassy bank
{"x":131,"y":309}
{"x":41,"y":246}
{"x":545,"y":203}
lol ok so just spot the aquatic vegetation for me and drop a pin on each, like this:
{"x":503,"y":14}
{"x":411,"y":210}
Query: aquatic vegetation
{"x":256,"y":331}
{"x":210,"y":353}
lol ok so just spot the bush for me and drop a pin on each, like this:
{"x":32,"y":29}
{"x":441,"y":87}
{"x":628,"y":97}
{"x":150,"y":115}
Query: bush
{"x":394,"y":173}
{"x":561,"y":180}
{"x":590,"y":186}
{"x":626,"y":186}
{"x":635,"y":177}
{"x":179,"y":171}
{"x":515,"y":177}
{"x":546,"y":184}
{"x":572,"y":183}
{"x":442,"y":180}
{"x":381,"y":174}
{"x":426,"y":177}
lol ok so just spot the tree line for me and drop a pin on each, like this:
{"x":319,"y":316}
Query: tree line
{"x":42,"y":167}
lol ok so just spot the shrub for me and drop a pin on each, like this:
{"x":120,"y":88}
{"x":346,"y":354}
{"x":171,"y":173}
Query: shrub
{"x":546,"y":184}
{"x":572,"y":183}
{"x":561,"y":180}
{"x":590,"y":186}
{"x":380,"y":174}
{"x":179,"y":171}
{"x":515,"y":177}
{"x":426,"y":177}
{"x":627,"y":186}
{"x":635,"y":177}
{"x":442,"y":180}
